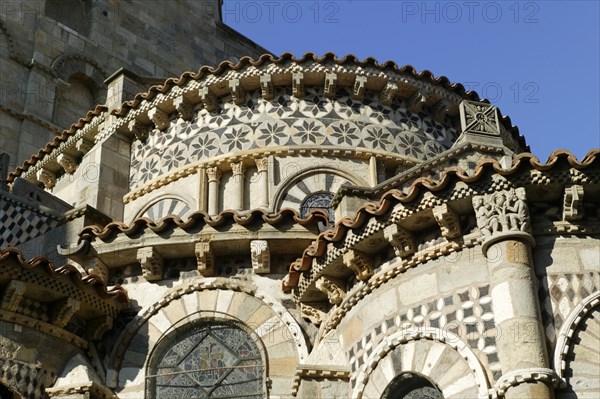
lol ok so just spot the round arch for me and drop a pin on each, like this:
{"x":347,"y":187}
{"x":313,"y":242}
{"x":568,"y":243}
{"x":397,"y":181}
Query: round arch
{"x":163,"y":205}
{"x":395,"y":355}
{"x":284,"y":342}
{"x":298,"y":186}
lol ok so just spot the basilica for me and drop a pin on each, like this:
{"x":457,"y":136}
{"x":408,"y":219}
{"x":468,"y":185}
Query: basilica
{"x":311,"y":226}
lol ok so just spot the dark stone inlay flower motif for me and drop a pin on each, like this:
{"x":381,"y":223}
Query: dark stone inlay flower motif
{"x":149,"y":169}
{"x":345,"y":132}
{"x":308,"y":132}
{"x":235,"y":138}
{"x":174,"y":157}
{"x":378,"y":137}
{"x":272,"y":133}
{"x":410,"y":145}
{"x":204,"y":147}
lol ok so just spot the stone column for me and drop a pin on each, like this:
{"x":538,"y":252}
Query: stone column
{"x":263,"y":181}
{"x":214,"y":175}
{"x":237,"y":169}
{"x":503,"y":219}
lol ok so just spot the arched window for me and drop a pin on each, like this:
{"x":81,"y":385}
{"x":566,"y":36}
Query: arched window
{"x":207,"y":358}
{"x":411,"y":386}
{"x":321,"y":200}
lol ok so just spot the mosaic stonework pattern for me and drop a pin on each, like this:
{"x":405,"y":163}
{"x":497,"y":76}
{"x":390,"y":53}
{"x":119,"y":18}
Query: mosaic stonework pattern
{"x":165,"y":207}
{"x":288,"y":121}
{"x":207,"y":359}
{"x":19,"y":223}
{"x":467,"y":314}
{"x":560,"y":294}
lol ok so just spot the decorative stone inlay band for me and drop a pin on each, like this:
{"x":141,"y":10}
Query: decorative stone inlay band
{"x":521,"y":376}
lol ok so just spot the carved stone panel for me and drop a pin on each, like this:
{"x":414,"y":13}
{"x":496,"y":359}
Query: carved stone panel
{"x":401,"y":239}
{"x":573,"y":203}
{"x":448,"y":221}
{"x":332,"y":288}
{"x":205,"y":259}
{"x":359,"y":263}
{"x":501,"y":212}
{"x":480,"y":118}
{"x":261,"y":258}
{"x":151,"y":262}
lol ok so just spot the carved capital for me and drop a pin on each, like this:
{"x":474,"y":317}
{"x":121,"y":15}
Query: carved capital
{"x":479,"y":118}
{"x":448,"y":221}
{"x":159,"y":117}
{"x":209,"y":101}
{"x":573,"y":203}
{"x":332,"y":288}
{"x":139,"y":130}
{"x":13,"y":295}
{"x":358,"y":90}
{"x":84,"y":146}
{"x":388,"y":93}
{"x":262,"y":164}
{"x":502,"y":212}
{"x":213,"y":173}
{"x":205,"y":259}
{"x":314,"y":311}
{"x":260,"y":256}
{"x":330,"y":85}
{"x":237,"y":168}
{"x":184,"y":108}
{"x":47,"y":177}
{"x":63,"y":311}
{"x":67,"y":162}
{"x":151,"y":262}
{"x":359,"y":263}
{"x":298,"y":84}
{"x":266,"y":87}
{"x":238,"y":94}
{"x":401,"y":239}
{"x":528,"y":375}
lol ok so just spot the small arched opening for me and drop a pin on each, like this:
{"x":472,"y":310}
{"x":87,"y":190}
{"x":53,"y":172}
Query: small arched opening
{"x":411,"y":386}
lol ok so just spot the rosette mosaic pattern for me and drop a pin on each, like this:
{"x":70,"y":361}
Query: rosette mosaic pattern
{"x":284,"y":121}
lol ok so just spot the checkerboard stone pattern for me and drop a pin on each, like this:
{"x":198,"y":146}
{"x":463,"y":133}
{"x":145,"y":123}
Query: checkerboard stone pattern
{"x":560,"y":293}
{"x":467,"y":314}
{"x":19,"y":223}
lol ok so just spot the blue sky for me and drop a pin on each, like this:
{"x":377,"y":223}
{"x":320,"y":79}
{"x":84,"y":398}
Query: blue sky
{"x":538,"y":61}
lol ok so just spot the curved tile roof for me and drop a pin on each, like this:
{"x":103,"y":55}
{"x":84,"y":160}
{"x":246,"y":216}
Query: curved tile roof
{"x":223,"y":67}
{"x":199,"y":219}
{"x":394,"y":196}
{"x":66,"y":272}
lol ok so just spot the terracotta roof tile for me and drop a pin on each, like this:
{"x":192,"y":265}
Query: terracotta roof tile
{"x":394,"y":196}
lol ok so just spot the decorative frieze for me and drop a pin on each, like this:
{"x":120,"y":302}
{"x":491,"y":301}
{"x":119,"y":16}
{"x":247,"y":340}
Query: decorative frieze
{"x":479,"y":118}
{"x":448,"y":221}
{"x":359,"y":263}
{"x":330,"y":85}
{"x":388,"y":93}
{"x":209,"y":101}
{"x":401,"y":239}
{"x":63,"y":311}
{"x":159,"y":117}
{"x":358,"y":90}
{"x":47,"y":177}
{"x":184,"y":108}
{"x":298,"y":84}
{"x":13,"y":295}
{"x":266,"y":87}
{"x":238,"y":94}
{"x":151,"y":262}
{"x":260,"y":256}
{"x":332,"y":288}
{"x":205,"y":259}
{"x":67,"y":162}
{"x":573,"y":203}
{"x":501,"y":212}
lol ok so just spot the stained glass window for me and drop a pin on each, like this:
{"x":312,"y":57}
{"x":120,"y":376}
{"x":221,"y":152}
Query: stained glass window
{"x":320,"y":200}
{"x":206,"y":359}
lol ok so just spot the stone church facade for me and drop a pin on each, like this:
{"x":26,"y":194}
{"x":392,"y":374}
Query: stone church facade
{"x":313,"y":227}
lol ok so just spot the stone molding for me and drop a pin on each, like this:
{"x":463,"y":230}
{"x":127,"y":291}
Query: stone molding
{"x":569,"y":327}
{"x":314,"y":371}
{"x":432,"y":334}
{"x":573,"y":203}
{"x":123,"y":341}
{"x":527,"y":375}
